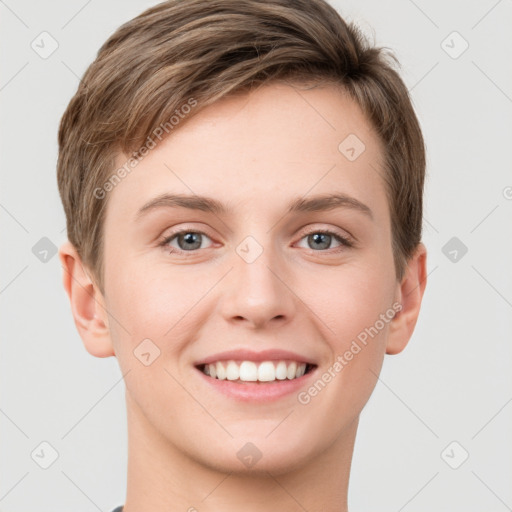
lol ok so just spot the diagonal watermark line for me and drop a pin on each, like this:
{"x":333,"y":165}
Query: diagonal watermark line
{"x":506,"y":403}
{"x":76,"y":14}
{"x":407,"y":503}
{"x":492,"y":211}
{"x":217,"y":486}
{"x":3,"y":3}
{"x":5,"y":495}
{"x":122,"y":377}
{"x":300,"y":299}
{"x":490,"y":284}
{"x":88,"y":497}
{"x":14,"y":218}
{"x":492,"y":81}
{"x":424,"y":76}
{"x":490,"y":490}
{"x":204,"y":408}
{"x":73,"y":73}
{"x":410,"y":409}
{"x":13,"y":279}
{"x":280,"y":423}
{"x":1,"y":410}
{"x":186,"y":185}
{"x":286,"y":491}
{"x":382,"y":175}
{"x":92,"y":297}
{"x":314,"y":108}
{"x":190,"y":309}
{"x":424,"y":13}
{"x":430,"y":224}
{"x":14,"y":76}
{"x":485,"y":15}
{"x":304,"y":195}
{"x":428,"y":275}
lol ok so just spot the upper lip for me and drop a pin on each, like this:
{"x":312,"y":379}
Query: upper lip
{"x":251,"y":355}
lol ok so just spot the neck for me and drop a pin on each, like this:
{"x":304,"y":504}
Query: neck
{"x":161,"y":476}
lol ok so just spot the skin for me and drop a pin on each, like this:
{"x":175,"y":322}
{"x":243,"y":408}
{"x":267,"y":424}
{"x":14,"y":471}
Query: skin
{"x":256,"y":153}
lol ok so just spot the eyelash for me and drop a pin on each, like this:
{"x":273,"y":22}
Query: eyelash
{"x":345,"y":242}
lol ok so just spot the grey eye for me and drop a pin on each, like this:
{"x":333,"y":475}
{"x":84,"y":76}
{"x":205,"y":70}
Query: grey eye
{"x":319,"y":240}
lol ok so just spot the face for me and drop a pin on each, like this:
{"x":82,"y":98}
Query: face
{"x":273,"y":280}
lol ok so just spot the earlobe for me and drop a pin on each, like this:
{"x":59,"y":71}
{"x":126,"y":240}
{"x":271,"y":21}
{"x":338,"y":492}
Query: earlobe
{"x":409,"y":295}
{"x":87,"y":303}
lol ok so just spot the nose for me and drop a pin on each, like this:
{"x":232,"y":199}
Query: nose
{"x":258,"y":293}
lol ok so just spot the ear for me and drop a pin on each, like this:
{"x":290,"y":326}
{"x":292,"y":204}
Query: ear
{"x":409,"y":295}
{"x":87,"y":303}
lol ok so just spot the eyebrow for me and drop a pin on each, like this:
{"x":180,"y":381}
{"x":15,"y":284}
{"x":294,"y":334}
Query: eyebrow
{"x":316,"y":203}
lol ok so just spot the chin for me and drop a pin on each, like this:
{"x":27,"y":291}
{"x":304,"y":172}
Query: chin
{"x":260,"y":453}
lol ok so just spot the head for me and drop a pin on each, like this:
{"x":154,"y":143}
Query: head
{"x":258,"y":111}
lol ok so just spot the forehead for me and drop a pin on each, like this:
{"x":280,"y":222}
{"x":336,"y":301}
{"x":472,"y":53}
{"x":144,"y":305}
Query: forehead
{"x":257,"y":149}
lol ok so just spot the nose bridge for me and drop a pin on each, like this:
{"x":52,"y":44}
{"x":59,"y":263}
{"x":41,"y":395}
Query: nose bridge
{"x":257,"y":292}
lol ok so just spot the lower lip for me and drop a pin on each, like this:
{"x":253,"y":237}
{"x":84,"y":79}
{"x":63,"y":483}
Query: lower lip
{"x":258,"y":391}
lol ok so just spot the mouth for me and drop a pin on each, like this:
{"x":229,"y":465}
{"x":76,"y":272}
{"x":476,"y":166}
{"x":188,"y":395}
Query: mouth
{"x":249,"y":376}
{"x":245,"y":371}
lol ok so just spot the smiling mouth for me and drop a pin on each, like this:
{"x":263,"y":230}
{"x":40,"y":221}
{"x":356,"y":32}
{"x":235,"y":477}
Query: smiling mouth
{"x":250,"y":371}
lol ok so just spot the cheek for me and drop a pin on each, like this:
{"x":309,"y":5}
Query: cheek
{"x":150,"y":327}
{"x":144,"y":303}
{"x":358,"y":311}
{"x":349,"y":300}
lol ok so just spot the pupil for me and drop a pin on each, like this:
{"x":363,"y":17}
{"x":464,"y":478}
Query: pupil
{"x":189,"y":238}
{"x":322,"y":240}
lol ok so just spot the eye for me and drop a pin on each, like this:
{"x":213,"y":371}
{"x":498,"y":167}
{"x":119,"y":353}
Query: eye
{"x":186,"y":240}
{"x":322,"y":239}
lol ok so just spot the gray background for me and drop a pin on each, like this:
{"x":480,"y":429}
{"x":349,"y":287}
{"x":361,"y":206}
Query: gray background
{"x":452,"y":383}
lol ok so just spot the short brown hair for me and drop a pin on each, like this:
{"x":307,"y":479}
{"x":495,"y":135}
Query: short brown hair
{"x":206,"y":49}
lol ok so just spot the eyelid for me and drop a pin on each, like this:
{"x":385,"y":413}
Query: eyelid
{"x":164,"y":240}
{"x":345,"y":235}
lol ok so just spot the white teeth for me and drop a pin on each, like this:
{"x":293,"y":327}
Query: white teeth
{"x":232,"y":371}
{"x":249,"y":371}
{"x":292,"y":370}
{"x":281,"y":370}
{"x":301,"y":370}
{"x":221,"y":370}
{"x":266,"y":371}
